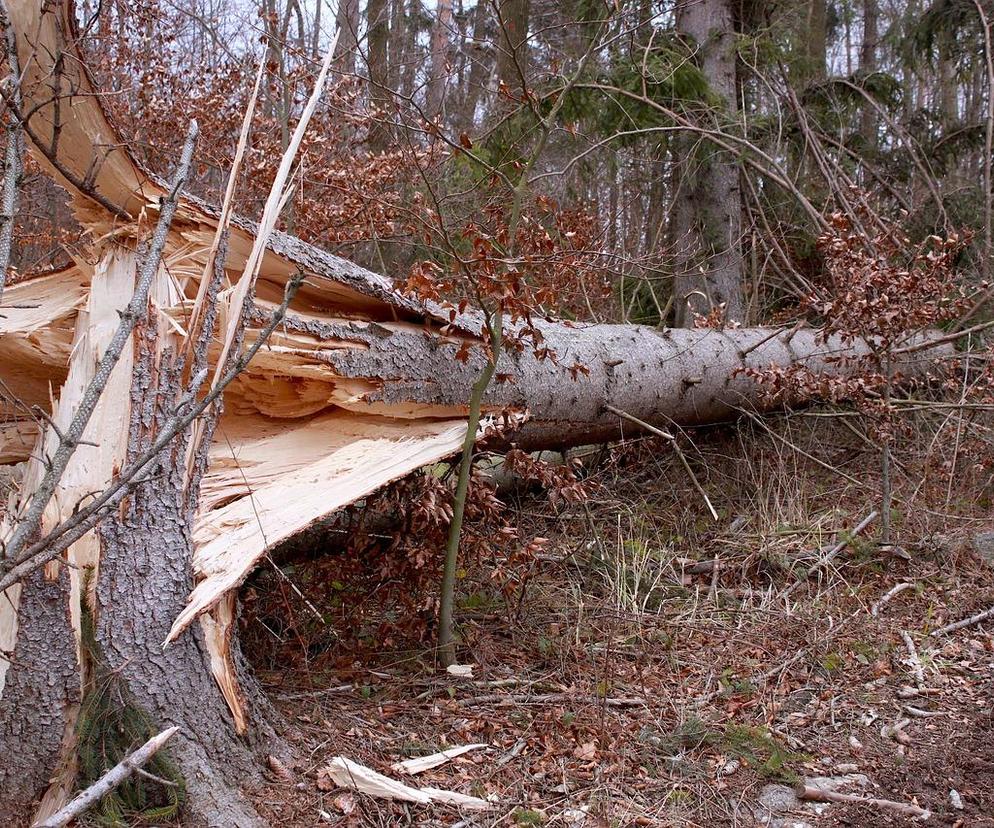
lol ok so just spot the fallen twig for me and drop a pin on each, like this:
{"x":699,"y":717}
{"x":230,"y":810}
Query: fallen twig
{"x":815,"y":794}
{"x":918,"y":713}
{"x":906,"y":691}
{"x":106,"y":783}
{"x":914,"y":662}
{"x":676,"y":447}
{"x":543,"y":698}
{"x":348,"y":774}
{"x":887,"y":596}
{"x":896,"y":732}
{"x":422,"y":763}
{"x":860,"y":527}
{"x":835,"y":550}
{"x":966,"y":622}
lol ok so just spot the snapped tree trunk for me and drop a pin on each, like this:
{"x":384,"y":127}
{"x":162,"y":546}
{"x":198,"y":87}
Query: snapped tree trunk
{"x":359,"y":387}
{"x":707,"y":214}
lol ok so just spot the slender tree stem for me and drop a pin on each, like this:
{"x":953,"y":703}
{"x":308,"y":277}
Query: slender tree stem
{"x":446,"y":643}
{"x":494,"y":329}
{"x":985,"y":268}
{"x":885,"y":471}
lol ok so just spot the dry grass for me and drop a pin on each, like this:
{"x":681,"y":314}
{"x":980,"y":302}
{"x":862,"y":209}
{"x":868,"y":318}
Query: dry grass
{"x":622,"y":688}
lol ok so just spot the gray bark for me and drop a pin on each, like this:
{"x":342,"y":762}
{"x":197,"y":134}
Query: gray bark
{"x":815,"y":45}
{"x":13,"y":160}
{"x":707,"y":220}
{"x":144,"y":580}
{"x":348,"y":38}
{"x":512,"y":48}
{"x":867,"y":66}
{"x":690,"y":377}
{"x":377,"y":37}
{"x":40,"y":695}
{"x":480,"y":57}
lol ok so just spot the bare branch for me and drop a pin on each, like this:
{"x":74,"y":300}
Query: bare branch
{"x":105,"y":784}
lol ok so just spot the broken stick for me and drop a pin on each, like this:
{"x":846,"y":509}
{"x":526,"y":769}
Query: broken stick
{"x":913,"y":661}
{"x":861,"y":527}
{"x":816,"y":794}
{"x":676,"y":447}
{"x":106,"y":783}
{"x":966,"y":622}
{"x":887,"y":596}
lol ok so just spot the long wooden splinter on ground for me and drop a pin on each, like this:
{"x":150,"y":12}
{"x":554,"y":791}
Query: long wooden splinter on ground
{"x":357,"y":387}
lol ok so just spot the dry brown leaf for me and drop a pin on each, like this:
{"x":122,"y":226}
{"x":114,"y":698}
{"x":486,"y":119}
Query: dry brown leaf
{"x":586,"y":751}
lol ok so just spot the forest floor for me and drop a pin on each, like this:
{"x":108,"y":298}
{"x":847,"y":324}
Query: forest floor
{"x":620,"y":690}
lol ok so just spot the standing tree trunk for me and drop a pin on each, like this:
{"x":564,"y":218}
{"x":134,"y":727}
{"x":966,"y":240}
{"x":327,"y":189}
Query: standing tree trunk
{"x":440,"y":57}
{"x":348,"y":36}
{"x":867,"y":66}
{"x":815,"y":42}
{"x":481,"y":62}
{"x":512,"y":50}
{"x":707,"y":213}
{"x":377,"y":37}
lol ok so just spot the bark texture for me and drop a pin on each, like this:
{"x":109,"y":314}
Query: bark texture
{"x":513,"y":18}
{"x":690,"y":377}
{"x":377,"y":38}
{"x":146,"y":573}
{"x":440,"y":56}
{"x":41,"y":693}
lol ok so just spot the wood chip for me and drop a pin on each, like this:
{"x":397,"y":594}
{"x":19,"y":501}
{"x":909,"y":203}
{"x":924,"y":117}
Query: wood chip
{"x":348,"y":774}
{"x":422,"y":763}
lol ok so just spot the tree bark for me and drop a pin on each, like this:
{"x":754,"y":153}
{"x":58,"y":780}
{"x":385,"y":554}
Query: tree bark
{"x":348,"y":38}
{"x":481,"y":66}
{"x":440,"y":57}
{"x":513,"y":17}
{"x":684,"y":376}
{"x":707,"y":214}
{"x":145,"y":573}
{"x":815,"y":41}
{"x":867,"y":66}
{"x":377,"y":37}
{"x":141,"y":563}
{"x":40,"y":695}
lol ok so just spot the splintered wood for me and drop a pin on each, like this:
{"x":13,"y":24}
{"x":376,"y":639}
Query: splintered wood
{"x":348,"y":774}
{"x":102,"y":452}
{"x":268,"y":480}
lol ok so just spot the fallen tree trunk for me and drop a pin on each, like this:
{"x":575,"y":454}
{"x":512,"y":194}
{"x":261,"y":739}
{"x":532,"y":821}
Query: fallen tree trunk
{"x":357,"y":388}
